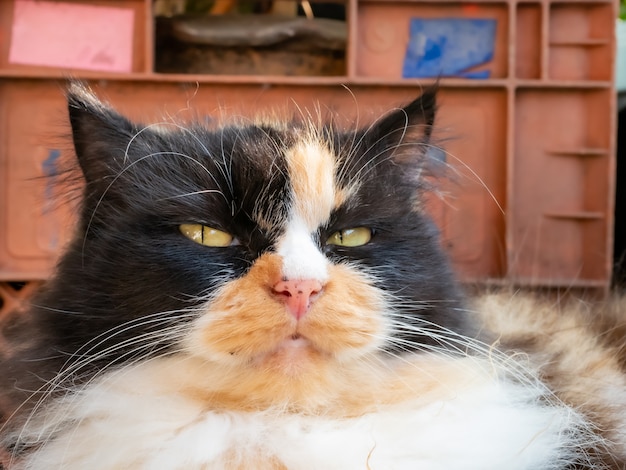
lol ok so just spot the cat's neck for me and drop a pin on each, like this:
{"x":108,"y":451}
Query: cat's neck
{"x":329,"y":388}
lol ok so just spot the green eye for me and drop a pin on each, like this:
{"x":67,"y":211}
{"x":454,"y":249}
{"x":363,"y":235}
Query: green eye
{"x":351,"y":237}
{"x":206,"y":236}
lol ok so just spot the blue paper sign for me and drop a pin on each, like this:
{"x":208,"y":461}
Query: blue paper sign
{"x":449,"y":47}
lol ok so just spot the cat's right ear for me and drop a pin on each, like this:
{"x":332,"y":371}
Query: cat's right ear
{"x":100,"y":134}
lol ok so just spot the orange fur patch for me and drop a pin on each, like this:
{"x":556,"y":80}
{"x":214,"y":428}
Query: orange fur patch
{"x":246,"y":319}
{"x":248,"y":333}
{"x":312,"y":174}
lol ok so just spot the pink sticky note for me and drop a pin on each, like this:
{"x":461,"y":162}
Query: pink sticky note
{"x":70,"y":35}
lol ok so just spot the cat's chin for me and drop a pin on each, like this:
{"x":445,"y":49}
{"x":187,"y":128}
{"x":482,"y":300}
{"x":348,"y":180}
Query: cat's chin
{"x":294,"y":355}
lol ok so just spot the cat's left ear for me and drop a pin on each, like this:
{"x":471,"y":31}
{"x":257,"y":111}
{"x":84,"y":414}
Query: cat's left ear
{"x":100,"y":134}
{"x":399,"y":132}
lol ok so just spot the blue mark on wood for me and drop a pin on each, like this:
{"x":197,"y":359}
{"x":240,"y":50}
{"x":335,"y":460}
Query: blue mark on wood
{"x":445,"y":47}
{"x":50,"y":170}
{"x":49,"y":165}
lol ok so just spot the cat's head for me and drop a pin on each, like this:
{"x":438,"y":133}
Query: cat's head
{"x":252,"y":242}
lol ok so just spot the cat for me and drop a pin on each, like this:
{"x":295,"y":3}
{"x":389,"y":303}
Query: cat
{"x":274,"y":296}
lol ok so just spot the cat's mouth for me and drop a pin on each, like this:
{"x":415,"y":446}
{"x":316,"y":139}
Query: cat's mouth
{"x":294,"y":341}
{"x":291,"y":354}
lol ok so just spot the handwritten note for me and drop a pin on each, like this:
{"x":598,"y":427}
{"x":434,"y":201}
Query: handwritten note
{"x":70,"y":35}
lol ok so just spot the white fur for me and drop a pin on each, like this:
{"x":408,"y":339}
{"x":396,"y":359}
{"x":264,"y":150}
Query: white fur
{"x":138,"y":419}
{"x":301,"y":256}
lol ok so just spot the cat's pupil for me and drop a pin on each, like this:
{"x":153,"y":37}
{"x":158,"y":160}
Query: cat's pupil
{"x":351,"y":237}
{"x":207,"y":236}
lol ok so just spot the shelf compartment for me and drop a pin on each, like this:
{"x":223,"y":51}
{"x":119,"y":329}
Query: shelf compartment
{"x":560,"y":212}
{"x":528,"y":46}
{"x":580,"y":41}
{"x":384,"y":34}
{"x":48,"y":49}
{"x":35,"y":226}
{"x":251,"y":44}
{"x":469,"y":203}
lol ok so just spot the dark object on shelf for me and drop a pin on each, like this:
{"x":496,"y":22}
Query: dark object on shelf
{"x":620,"y":203}
{"x":251,"y":44}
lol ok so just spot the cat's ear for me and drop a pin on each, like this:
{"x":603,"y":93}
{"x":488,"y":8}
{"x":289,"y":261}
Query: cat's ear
{"x":100,"y":134}
{"x":399,"y":134}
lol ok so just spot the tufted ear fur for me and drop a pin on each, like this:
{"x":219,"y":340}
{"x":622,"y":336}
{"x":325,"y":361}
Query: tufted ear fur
{"x":397,"y":133}
{"x":100,"y":134}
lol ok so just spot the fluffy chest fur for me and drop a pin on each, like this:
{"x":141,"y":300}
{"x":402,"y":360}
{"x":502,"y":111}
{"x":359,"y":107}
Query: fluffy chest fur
{"x":436,"y":413}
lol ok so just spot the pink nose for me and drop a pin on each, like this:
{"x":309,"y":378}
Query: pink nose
{"x":297,"y":294}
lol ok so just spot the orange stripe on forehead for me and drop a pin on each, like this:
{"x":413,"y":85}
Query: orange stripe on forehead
{"x":312,"y":173}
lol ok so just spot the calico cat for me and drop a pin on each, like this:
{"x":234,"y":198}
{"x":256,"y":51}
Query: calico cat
{"x":273,"y":296}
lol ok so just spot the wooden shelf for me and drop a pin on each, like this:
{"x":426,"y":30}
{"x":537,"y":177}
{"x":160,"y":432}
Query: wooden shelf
{"x":583,"y":43}
{"x":576,"y":215}
{"x":580,"y":152}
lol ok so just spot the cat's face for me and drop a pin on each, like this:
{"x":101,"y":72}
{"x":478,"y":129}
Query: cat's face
{"x":255,"y":245}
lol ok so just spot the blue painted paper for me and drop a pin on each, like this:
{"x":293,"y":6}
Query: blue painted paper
{"x":449,"y":47}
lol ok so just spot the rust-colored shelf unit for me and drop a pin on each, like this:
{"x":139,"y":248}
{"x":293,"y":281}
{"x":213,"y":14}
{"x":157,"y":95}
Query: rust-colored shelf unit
{"x":530,"y":147}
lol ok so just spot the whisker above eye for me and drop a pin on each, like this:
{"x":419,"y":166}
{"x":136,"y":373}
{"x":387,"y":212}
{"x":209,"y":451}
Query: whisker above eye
{"x":193,"y":193}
